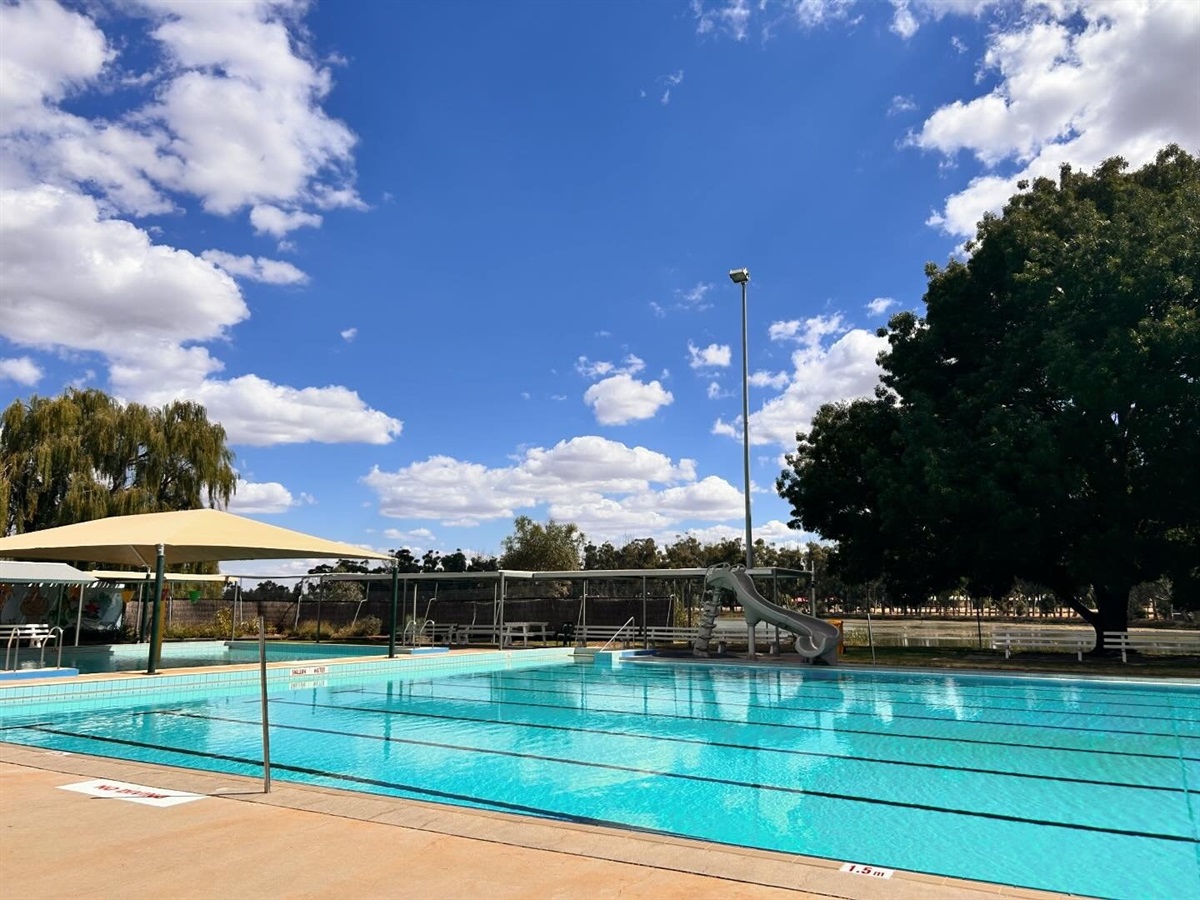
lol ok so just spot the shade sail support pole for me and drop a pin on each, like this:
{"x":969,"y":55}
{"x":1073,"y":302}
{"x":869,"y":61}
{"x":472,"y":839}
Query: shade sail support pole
{"x":394,"y":610}
{"x":156,"y":614}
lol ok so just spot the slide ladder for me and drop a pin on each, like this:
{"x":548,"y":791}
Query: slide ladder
{"x":709,"y":610}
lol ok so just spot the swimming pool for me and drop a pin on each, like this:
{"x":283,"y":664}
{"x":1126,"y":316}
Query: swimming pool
{"x":1068,"y":785}
{"x":189,"y":654}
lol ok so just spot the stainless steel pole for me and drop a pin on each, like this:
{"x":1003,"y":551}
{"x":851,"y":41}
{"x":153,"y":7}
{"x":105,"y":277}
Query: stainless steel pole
{"x":262,"y":675}
{"x":746,"y":428}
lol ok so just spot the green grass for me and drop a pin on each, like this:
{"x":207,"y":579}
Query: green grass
{"x":1039,"y":661}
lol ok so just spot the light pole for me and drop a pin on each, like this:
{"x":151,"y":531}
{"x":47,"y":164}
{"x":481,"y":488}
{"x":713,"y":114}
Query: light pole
{"x":742,"y":277}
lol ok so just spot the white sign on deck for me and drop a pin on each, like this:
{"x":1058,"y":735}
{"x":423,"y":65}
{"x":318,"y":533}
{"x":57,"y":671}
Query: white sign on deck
{"x":873,"y":871}
{"x":135,"y":793}
{"x":309,"y":670}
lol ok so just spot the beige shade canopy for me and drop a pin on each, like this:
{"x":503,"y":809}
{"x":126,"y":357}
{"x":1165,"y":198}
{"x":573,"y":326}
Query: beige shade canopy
{"x":188,"y":536}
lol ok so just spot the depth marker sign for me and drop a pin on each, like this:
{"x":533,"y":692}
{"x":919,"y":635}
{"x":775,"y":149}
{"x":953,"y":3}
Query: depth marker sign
{"x":872,"y":871}
{"x":134,"y":793}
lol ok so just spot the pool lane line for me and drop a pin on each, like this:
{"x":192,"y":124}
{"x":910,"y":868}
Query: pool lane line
{"x":789,"y":751}
{"x":689,"y":673}
{"x":702,"y":779}
{"x":808,"y":728}
{"x":321,"y":773}
{"x":663,"y":691}
{"x":822,"y":688}
{"x":666,"y":680}
{"x":871,"y":715}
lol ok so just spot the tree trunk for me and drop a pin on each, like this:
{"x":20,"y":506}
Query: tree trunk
{"x":1112,"y":614}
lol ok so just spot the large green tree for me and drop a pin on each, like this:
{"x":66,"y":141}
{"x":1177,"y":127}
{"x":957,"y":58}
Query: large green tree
{"x":83,"y":456}
{"x":1042,"y":420}
{"x":534,"y":547}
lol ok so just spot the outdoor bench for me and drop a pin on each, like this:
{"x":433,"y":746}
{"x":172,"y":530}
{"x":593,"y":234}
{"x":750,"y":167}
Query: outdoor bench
{"x":1052,"y":639}
{"x":1178,"y":642}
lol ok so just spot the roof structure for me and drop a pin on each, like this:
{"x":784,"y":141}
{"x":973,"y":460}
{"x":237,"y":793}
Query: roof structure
{"x":42,"y":573}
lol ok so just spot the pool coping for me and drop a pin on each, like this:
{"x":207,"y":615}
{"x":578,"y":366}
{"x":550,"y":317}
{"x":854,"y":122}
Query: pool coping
{"x":101,"y":689}
{"x":737,"y":867}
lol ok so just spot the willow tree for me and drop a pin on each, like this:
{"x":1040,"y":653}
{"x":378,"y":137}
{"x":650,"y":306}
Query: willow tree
{"x":83,"y":456}
{"x":1042,"y":420}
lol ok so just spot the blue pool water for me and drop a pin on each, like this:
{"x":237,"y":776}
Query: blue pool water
{"x":1068,"y":785}
{"x":188,"y":654}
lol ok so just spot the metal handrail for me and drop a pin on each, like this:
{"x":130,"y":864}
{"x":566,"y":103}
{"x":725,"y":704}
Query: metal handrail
{"x":617,"y":634}
{"x":37,"y":635}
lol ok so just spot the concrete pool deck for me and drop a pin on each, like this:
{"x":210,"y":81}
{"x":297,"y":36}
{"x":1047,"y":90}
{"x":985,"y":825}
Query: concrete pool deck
{"x":309,"y":842}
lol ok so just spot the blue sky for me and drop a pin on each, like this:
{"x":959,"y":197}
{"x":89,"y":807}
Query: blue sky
{"x":435,"y":265}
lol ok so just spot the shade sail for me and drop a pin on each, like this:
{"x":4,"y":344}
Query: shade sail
{"x":188,"y":536}
{"x":42,"y":573}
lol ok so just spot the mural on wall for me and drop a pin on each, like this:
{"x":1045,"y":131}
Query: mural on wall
{"x":26,"y":604}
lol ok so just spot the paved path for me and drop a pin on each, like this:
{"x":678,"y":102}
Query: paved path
{"x":304,"y":842}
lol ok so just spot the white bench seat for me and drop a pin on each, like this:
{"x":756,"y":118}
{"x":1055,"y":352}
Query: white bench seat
{"x":1049,"y":639}
{"x":1184,"y":642}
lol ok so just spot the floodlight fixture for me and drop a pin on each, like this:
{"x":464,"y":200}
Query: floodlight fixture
{"x":739,"y":276}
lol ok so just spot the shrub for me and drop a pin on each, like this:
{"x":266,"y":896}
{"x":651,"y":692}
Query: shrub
{"x":367,"y":626}
{"x":307,"y":630}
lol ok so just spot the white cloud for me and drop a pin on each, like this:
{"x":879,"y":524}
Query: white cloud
{"x":271,"y":271}
{"x":465,"y":493}
{"x":693,"y":299}
{"x":420,"y":537}
{"x":271,"y":220}
{"x":1073,"y":87}
{"x":48,"y":51}
{"x":651,"y":511}
{"x":349,"y":334}
{"x":672,"y":80}
{"x":234,"y":120}
{"x":21,"y":369}
{"x":733,"y":18}
{"x":712,"y":356}
{"x":70,"y":277}
{"x":258,"y":413}
{"x":809,"y":14}
{"x":714,"y":391}
{"x":844,"y":371}
{"x":631,"y":365}
{"x":901,"y":104}
{"x":255,"y":498}
{"x":606,"y":488}
{"x":775,"y":380}
{"x":958,"y":44}
{"x":880,"y":305}
{"x":904,"y":23}
{"x":620,"y":399}
{"x":695,"y":295}
{"x":810,"y":332}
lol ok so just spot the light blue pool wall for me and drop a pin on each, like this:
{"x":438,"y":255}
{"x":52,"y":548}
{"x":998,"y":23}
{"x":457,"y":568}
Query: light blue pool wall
{"x":181,"y":685}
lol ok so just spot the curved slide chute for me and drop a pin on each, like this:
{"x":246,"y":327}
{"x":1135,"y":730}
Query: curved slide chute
{"x":815,"y":638}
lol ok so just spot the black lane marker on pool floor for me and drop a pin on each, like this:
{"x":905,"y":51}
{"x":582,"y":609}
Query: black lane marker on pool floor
{"x":665,"y":684}
{"x":859,"y":713}
{"x":747,"y":747}
{"x":356,"y":779}
{"x":841,"y":730}
{"x":668,"y":682}
{"x":703,"y":779}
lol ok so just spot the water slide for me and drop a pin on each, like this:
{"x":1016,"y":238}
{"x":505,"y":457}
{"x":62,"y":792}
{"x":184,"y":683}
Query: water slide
{"x":815,"y":638}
